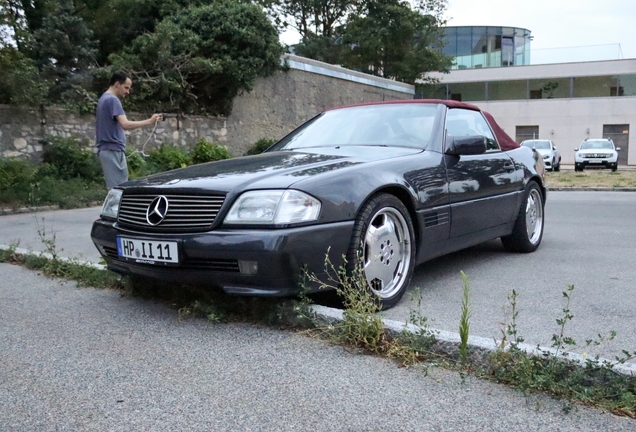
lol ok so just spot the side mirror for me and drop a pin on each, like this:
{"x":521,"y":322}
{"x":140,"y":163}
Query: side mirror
{"x":576,"y":149}
{"x":466,"y":145}
{"x":618,"y":149}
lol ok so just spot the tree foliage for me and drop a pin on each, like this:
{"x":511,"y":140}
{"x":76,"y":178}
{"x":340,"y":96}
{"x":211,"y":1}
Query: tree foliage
{"x":389,"y":38}
{"x":393,"y":41}
{"x":195,"y":56}
{"x":200,"y":58}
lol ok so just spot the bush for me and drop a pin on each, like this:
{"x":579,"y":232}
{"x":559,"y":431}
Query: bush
{"x":15,"y":174}
{"x":168,"y":157}
{"x":260,"y":146}
{"x":204,"y":151}
{"x":72,"y":159}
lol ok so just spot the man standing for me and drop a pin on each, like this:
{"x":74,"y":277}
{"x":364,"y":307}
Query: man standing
{"x":110,"y":125}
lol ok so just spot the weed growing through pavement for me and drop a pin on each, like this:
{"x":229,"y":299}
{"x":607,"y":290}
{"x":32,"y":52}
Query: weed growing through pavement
{"x":594,"y":383}
{"x":464,"y":321}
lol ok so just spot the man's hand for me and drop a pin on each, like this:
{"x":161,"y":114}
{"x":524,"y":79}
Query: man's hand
{"x":156,"y":117}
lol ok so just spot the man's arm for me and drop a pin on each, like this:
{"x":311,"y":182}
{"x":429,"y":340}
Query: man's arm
{"x":130,"y":124}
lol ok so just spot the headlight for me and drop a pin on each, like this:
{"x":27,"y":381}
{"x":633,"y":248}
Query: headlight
{"x":111,"y":203}
{"x":274,"y":207}
{"x":546,"y":156}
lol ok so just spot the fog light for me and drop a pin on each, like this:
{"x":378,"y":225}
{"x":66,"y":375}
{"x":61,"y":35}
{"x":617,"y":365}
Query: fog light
{"x":248,"y":267}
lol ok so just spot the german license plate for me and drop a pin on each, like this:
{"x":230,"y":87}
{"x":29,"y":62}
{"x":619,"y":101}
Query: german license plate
{"x":596,"y":161}
{"x":148,"y":251}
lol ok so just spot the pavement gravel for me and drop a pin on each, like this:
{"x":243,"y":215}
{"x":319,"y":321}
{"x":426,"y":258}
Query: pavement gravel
{"x":83,"y":359}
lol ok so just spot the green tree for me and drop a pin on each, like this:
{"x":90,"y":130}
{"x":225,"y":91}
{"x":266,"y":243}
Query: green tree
{"x":199,"y":59}
{"x":116,"y":23}
{"x":64,"y":52}
{"x":393,"y":41}
{"x":319,"y":23}
{"x":20,"y":84}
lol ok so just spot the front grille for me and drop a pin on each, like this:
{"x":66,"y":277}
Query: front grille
{"x":110,"y":252}
{"x":185,"y":212}
{"x":596,"y":155}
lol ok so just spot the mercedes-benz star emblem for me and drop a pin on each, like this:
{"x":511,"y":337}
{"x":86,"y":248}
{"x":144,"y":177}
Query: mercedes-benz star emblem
{"x":157,"y":210}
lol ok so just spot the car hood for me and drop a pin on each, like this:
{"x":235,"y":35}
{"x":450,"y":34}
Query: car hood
{"x":544,"y":152}
{"x":277,"y":170}
{"x":595,"y":151}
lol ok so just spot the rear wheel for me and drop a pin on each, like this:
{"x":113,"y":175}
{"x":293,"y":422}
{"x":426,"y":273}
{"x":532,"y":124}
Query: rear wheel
{"x":528,"y":230}
{"x":557,"y":167}
{"x":383,"y":243}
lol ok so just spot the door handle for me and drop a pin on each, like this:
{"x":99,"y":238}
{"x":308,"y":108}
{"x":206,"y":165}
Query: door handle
{"x":509,"y":166}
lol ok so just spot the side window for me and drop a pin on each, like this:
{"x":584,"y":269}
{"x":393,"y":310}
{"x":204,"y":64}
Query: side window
{"x":460,"y":122}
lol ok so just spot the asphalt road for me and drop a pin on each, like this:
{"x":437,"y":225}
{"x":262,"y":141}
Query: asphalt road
{"x":85,"y":359}
{"x":80,"y":359}
{"x":588,"y":242}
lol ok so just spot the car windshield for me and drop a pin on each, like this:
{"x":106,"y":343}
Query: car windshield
{"x":540,"y":145}
{"x":597,"y":144}
{"x":390,"y":125}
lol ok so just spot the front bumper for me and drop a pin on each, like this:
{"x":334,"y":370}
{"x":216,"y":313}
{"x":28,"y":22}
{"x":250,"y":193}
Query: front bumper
{"x":212,"y":258}
{"x":596,"y":163}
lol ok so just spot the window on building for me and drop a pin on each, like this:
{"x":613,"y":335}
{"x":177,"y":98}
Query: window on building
{"x":595,"y":86}
{"x":469,"y":91}
{"x":507,"y":90}
{"x":526,"y":132}
{"x":536,"y":94}
{"x":628,"y":83}
{"x":617,"y":91}
{"x":551,"y":87}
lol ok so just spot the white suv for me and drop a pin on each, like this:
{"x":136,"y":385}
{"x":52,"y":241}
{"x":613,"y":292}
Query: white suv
{"x":596,"y":153}
{"x":547,"y":150}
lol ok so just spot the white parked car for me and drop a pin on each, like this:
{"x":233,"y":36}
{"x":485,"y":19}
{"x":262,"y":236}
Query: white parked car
{"x":549,"y":152}
{"x":596,"y":153}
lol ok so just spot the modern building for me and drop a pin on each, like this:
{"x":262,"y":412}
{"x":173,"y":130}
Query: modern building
{"x":564,"y":102}
{"x":483,"y":47}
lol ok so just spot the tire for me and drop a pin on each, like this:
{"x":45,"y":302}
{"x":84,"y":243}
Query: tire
{"x":383,"y":239}
{"x":557,"y":167}
{"x":614,"y":168}
{"x":528,"y":230}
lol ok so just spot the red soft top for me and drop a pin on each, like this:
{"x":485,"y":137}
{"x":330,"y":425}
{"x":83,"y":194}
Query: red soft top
{"x":505,"y":142}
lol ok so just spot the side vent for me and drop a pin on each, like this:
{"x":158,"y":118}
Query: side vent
{"x":435,"y":218}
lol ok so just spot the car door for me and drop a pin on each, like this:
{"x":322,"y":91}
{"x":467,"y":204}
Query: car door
{"x":483,"y":188}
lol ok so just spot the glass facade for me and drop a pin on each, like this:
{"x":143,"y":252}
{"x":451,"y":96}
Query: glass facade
{"x":477,"y":46}
{"x":544,"y":88}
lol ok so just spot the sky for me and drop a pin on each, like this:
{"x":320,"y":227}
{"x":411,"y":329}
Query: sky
{"x":555,"y":23}
{"x":552,"y":23}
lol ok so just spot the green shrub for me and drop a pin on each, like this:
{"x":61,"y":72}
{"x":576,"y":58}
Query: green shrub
{"x":260,"y":146}
{"x":205,"y":151}
{"x":15,"y":174}
{"x":168,"y":157}
{"x":71,"y":159}
{"x":138,"y":166}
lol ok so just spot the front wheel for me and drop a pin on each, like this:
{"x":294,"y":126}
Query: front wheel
{"x":383,"y":244}
{"x":528,"y":230}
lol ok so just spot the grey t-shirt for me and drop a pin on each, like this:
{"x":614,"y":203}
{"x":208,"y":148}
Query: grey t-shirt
{"x":109,"y":133}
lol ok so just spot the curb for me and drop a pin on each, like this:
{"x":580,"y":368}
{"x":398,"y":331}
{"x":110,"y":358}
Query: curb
{"x":22,"y":251}
{"x":592,"y":189}
{"x":449,"y":341}
{"x":446,"y":340}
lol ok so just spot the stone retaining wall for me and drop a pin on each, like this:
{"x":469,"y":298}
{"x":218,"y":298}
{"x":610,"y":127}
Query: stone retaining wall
{"x":274,"y":107}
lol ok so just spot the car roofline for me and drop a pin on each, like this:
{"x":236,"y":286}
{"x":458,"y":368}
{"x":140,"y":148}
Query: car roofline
{"x":448,"y":103}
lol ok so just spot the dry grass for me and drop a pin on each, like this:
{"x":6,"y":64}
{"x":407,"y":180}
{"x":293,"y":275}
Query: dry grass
{"x":591,"y":178}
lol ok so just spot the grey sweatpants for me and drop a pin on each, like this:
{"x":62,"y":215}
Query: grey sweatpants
{"x":114,"y":167}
